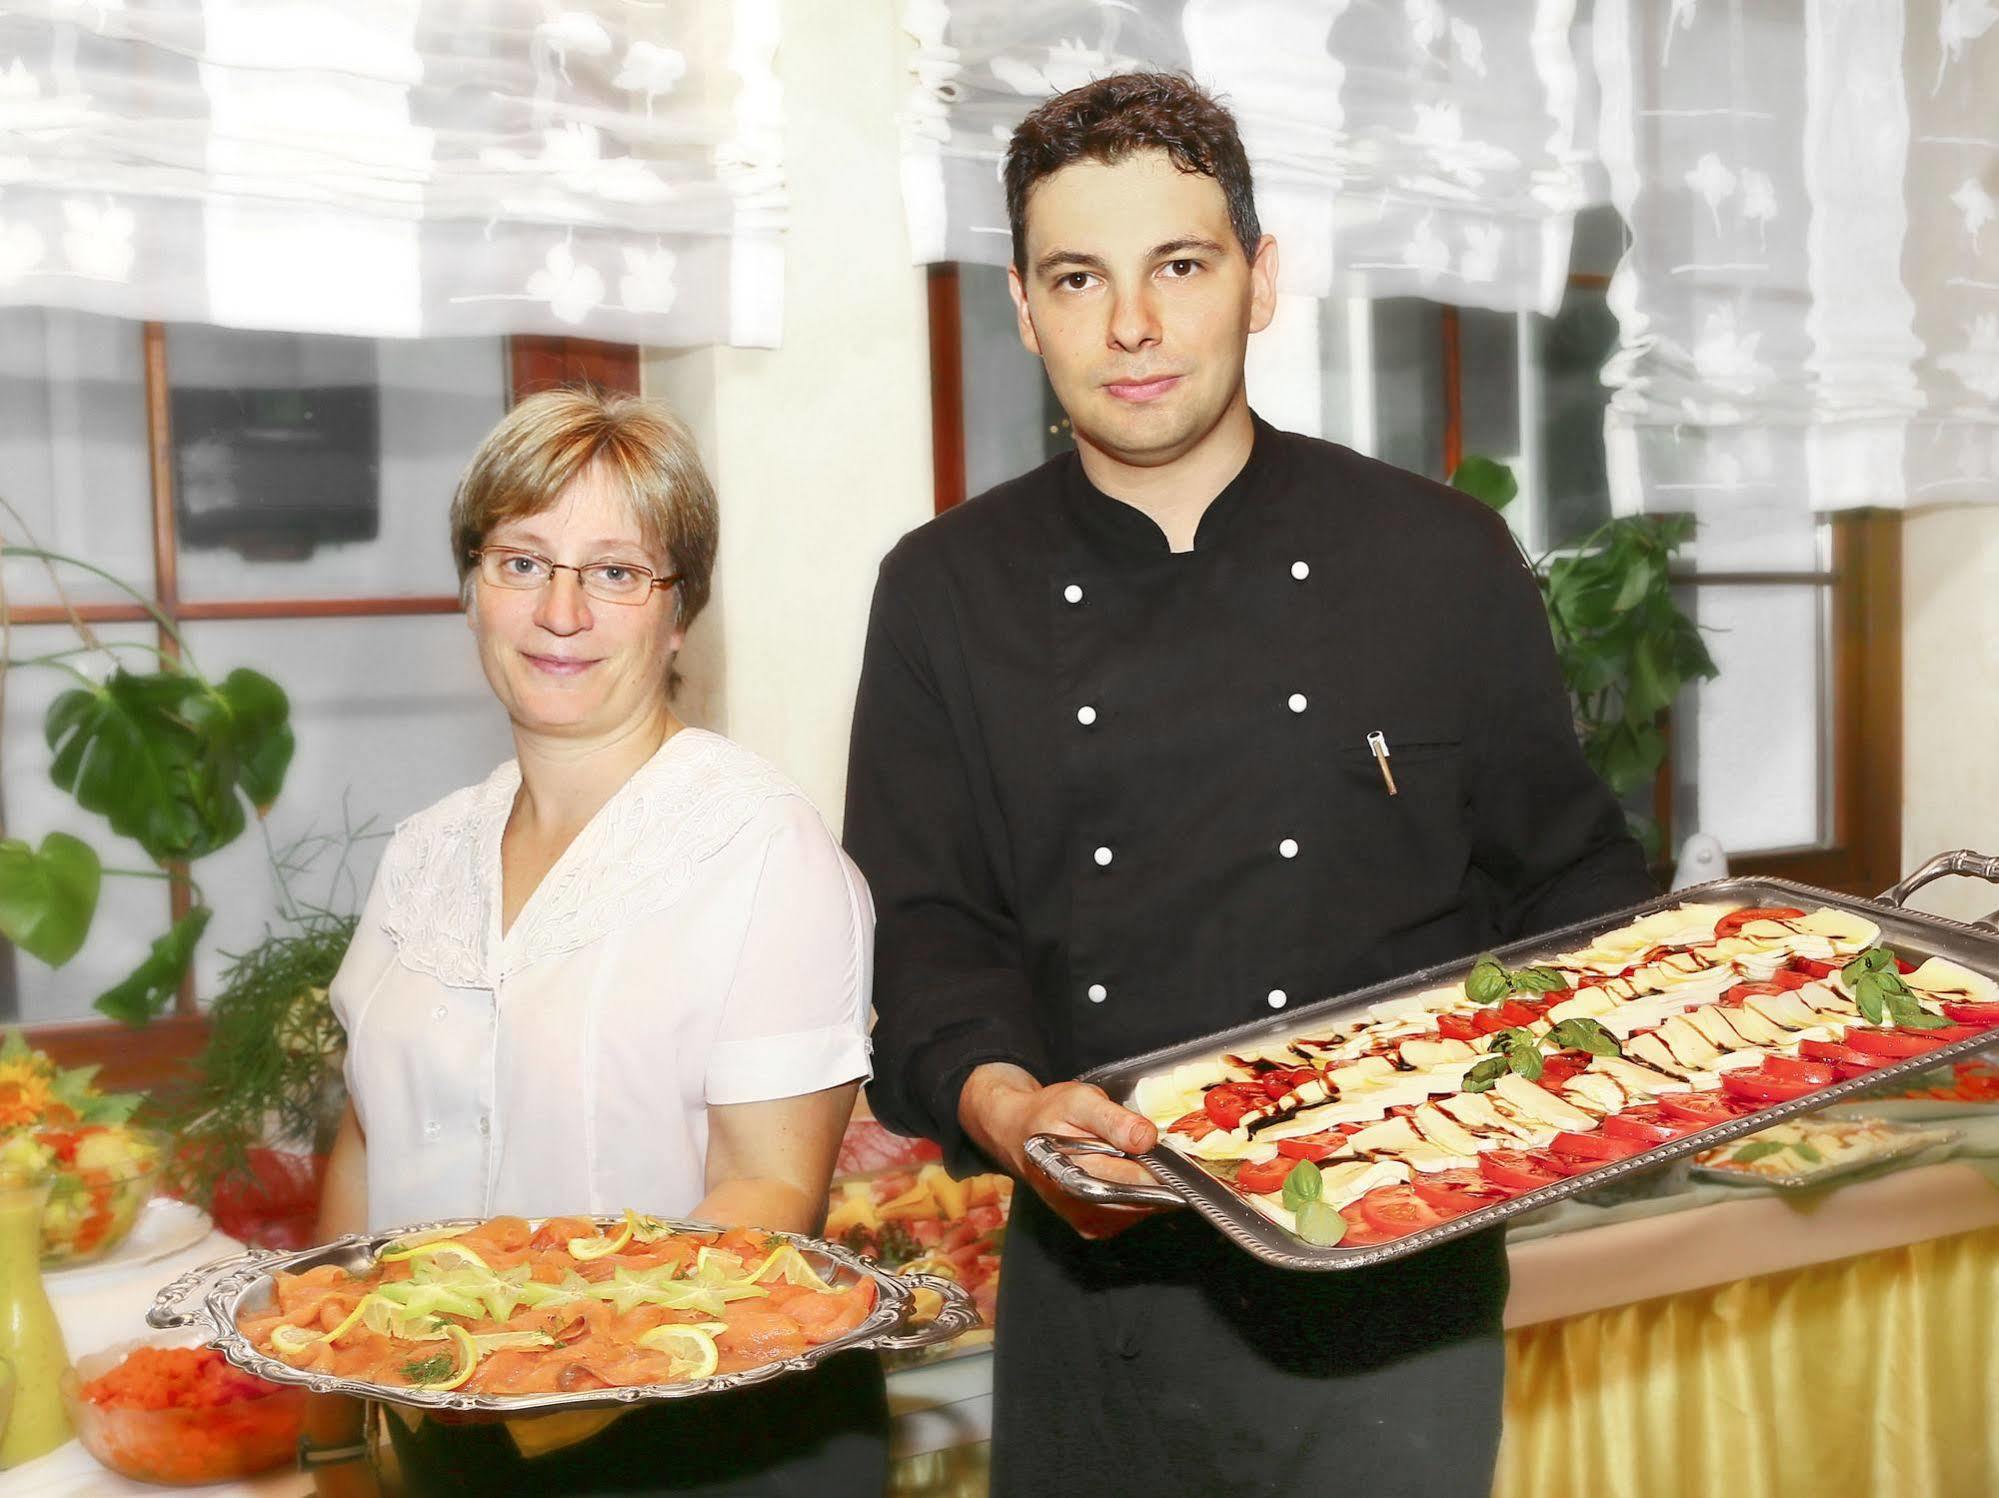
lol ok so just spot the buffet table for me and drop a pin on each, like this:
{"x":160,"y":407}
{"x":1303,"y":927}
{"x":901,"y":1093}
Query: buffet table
{"x":1833,"y":1342}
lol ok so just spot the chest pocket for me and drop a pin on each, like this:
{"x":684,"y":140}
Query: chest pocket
{"x":1403,"y":857}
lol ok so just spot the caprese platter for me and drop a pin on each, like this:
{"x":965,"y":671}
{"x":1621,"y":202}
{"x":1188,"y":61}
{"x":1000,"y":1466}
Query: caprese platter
{"x":1390,"y":1120}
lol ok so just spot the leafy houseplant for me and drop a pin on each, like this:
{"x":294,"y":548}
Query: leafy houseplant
{"x":167,"y":757}
{"x":1624,"y":646}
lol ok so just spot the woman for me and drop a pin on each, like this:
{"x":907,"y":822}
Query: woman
{"x":630,"y":969}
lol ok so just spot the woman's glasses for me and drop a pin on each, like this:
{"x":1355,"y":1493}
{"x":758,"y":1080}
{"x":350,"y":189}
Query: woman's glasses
{"x":609,"y":582}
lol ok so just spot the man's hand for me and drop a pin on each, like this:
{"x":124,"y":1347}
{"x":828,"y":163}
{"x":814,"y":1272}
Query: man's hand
{"x":1002,"y":1106}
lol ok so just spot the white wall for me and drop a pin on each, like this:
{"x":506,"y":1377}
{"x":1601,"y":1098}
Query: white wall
{"x":820,"y":450}
{"x":1950,"y":710}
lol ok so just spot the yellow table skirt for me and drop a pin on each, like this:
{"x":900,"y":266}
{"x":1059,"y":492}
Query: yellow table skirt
{"x":1874,"y":1377}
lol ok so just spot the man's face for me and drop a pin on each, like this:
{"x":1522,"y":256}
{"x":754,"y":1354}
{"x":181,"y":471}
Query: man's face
{"x":1140,"y":302}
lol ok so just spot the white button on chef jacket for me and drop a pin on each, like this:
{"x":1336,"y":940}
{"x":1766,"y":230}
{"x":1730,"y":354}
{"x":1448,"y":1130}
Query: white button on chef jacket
{"x":1073,"y":593}
{"x":1098,"y":993}
{"x":1086,"y":715}
{"x":702,"y":941}
{"x":1278,"y":998}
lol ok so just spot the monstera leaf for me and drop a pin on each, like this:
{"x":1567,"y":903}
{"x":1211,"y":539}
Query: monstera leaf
{"x":250,"y":715}
{"x":153,"y":983}
{"x":130,"y":751}
{"x":47,"y":898}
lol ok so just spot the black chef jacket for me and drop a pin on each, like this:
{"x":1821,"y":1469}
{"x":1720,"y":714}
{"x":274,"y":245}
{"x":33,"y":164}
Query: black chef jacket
{"x":1109,"y":797}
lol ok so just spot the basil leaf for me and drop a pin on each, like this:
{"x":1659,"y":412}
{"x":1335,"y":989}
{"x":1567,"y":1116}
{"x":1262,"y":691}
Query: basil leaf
{"x":1756,"y":1149}
{"x":1526,"y":1059}
{"x":1592,"y":1037}
{"x":1487,"y":982}
{"x":1921,"y":1019}
{"x":1481,"y":1077}
{"x":1320,"y":1223}
{"x":1540,"y":980}
{"x":1807,"y":1152}
{"x":1870,"y":1003}
{"x":1302,"y":1185}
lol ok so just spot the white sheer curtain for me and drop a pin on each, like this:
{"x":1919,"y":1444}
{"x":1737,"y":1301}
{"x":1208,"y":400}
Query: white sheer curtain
{"x":1810,"y":305}
{"x":1401,"y":147}
{"x":608,"y":168}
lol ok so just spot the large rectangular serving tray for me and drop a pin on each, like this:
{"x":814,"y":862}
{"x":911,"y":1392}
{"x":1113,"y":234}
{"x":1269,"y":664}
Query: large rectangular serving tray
{"x":1913,"y":934}
{"x":1913,"y":1139}
{"x":211,"y":1297}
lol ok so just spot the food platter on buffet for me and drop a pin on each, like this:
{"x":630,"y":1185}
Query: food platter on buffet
{"x":1387,"y":1121}
{"x":664,"y":1308}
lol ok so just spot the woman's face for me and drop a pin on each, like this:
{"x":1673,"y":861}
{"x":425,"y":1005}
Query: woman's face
{"x":560,"y":661}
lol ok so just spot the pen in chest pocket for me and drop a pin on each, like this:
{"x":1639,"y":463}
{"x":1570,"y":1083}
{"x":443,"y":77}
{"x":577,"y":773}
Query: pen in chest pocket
{"x":1377,"y":745}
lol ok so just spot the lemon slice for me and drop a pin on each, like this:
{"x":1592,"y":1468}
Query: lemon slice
{"x":438,"y":1252}
{"x":468,"y":1358}
{"x":404,"y":1247}
{"x":716,"y":1266}
{"x":690,"y":1347}
{"x":790,"y":1264}
{"x":352,"y":1317}
{"x":289,"y":1341}
{"x":599,"y":1246}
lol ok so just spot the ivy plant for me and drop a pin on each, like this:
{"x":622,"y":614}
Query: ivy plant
{"x":1623,"y":643}
{"x":168,"y":757}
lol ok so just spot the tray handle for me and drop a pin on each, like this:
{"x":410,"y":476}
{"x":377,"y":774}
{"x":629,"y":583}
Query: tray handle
{"x":1959,"y":861}
{"x":170,"y":1305}
{"x":958,"y":1315}
{"x":1049,"y":1154}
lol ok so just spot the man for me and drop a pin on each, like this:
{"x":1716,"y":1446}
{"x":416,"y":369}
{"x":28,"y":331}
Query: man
{"x":1112,"y":787}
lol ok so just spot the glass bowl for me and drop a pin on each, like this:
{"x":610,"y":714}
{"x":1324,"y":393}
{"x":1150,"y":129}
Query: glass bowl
{"x":103,"y":1175}
{"x":184,"y":1444}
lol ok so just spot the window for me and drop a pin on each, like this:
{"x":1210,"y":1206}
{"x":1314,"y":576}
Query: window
{"x":281,"y":499}
{"x":1786,"y":757}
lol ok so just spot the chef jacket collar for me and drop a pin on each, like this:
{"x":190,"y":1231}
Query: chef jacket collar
{"x":1120,"y":528}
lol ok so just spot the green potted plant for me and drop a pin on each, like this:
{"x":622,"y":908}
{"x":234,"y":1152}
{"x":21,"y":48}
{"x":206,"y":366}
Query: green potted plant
{"x":166,"y":755}
{"x":1624,"y":645}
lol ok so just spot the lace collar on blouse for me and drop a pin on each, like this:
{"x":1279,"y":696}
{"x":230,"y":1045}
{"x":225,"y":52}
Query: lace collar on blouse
{"x":441,"y":873}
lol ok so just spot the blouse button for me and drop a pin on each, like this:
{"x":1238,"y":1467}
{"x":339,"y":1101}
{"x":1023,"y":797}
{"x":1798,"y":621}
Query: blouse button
{"x":1086,"y":715}
{"x":432,"y":1129}
{"x":1301,"y":571}
{"x":1103,"y":857}
{"x":1073,"y":593}
{"x":1289,"y":847}
{"x":440,"y":1012}
{"x":485,"y":1124}
{"x":1278,"y":998}
{"x":1297,"y":702}
{"x":1098,"y":993}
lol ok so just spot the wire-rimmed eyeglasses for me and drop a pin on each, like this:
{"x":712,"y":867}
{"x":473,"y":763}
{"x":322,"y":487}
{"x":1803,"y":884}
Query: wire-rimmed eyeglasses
{"x":609,"y":582}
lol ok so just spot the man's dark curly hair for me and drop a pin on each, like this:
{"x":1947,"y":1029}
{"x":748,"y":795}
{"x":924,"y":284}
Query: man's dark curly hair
{"x":1108,"y":120}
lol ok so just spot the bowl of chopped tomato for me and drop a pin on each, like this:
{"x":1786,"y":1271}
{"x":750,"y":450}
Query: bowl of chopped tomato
{"x":180,"y":1415}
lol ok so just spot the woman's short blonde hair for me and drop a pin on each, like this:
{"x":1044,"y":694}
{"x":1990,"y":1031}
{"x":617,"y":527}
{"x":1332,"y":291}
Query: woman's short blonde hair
{"x":546,"y":441}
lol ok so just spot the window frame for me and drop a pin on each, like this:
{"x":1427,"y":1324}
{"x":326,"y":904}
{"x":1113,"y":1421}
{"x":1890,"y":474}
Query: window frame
{"x":144,"y":1059}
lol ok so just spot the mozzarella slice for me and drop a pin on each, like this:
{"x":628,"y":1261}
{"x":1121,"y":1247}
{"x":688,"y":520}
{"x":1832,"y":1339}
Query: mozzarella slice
{"x":1537,"y":1103}
{"x":1585,"y":1003}
{"x":1426,"y":1053}
{"x":1940,"y":979}
{"x":1847,"y":930}
{"x":1635,"y":1080}
{"x":1345,"y":1184}
{"x":1475,"y":1111}
{"x":1445,"y":1132}
{"x":1595,"y":1094}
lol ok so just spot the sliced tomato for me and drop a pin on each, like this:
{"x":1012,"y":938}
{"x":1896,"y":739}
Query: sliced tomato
{"x":1842,"y":1058}
{"x":1983,"y":1016}
{"x":1647,"y":1125}
{"x":1893,"y":1044}
{"x":1311,"y":1146}
{"x":1195,"y":1125}
{"x":1946,"y":1034}
{"x":1904,"y":966}
{"x":1522,"y":1011}
{"x":1732,"y":923}
{"x":1462,"y":1027}
{"x":1817,"y":1073}
{"x":1456,"y":1192}
{"x":1264,"y":1176}
{"x":1742,"y":991}
{"x":1228,"y":1101}
{"x":1790,"y":978}
{"x":1812,"y":968}
{"x":1399,"y":1211}
{"x":1519,"y":1170}
{"x":1596,"y":1146}
{"x":1283,"y":1079}
{"x":1701,"y":1109}
{"x":1557,"y":1069}
{"x":1360,"y":1232}
{"x":1763,"y":1088}
{"x":1489,"y":1021}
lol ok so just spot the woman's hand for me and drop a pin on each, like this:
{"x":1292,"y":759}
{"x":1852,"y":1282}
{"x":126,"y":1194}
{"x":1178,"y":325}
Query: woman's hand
{"x":769,"y":1163}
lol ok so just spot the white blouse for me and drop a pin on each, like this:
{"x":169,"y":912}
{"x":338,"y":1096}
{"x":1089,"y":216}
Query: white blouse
{"x":703,"y":940}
